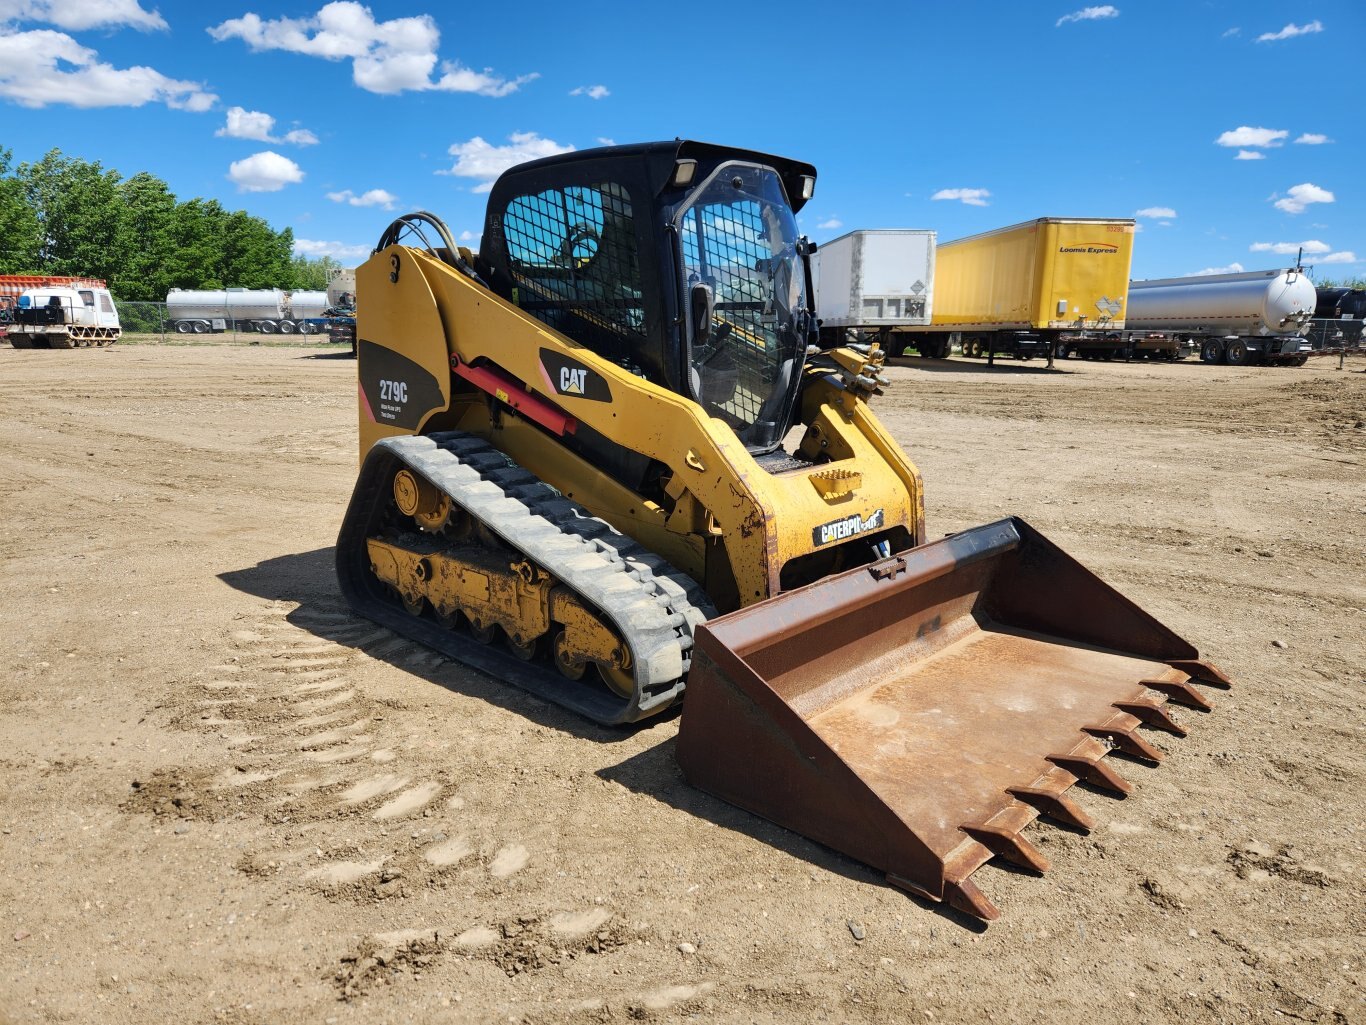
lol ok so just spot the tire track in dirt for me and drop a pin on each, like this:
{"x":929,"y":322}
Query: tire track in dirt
{"x":312,"y":750}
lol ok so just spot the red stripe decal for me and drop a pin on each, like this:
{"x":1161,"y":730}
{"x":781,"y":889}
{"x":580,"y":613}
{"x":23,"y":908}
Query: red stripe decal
{"x":506,"y":388}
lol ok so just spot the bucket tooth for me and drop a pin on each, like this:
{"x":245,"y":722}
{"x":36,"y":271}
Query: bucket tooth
{"x":963,"y":895}
{"x":1127,"y":742}
{"x":966,"y":897}
{"x":1097,"y":772}
{"x":1153,"y":715}
{"x":1180,"y":694}
{"x":1202,"y":672}
{"x":1010,"y":845}
{"x":1057,"y":807}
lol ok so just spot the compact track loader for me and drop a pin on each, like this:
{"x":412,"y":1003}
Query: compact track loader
{"x":605,"y":459}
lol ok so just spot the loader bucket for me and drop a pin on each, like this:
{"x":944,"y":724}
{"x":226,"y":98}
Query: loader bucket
{"x":918,"y":713}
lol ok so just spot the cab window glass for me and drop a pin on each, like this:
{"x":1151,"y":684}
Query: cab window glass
{"x":572,"y":253}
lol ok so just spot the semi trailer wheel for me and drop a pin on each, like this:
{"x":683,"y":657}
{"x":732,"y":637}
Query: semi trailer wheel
{"x":1236,"y":354}
{"x":1211,"y":352}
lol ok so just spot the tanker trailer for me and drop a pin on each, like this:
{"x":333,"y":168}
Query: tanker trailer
{"x":200,"y":311}
{"x":1239,"y":319}
{"x":304,"y":311}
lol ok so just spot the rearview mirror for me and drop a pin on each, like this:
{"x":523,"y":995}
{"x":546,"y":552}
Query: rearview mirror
{"x":700,"y":304}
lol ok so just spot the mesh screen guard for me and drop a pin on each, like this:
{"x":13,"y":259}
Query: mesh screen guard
{"x":573,"y":256}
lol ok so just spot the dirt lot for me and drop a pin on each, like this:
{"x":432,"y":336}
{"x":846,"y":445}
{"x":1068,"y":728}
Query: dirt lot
{"x":227,"y":800}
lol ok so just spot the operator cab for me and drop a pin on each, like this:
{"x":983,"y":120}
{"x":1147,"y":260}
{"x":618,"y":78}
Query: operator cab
{"x":679,"y":261}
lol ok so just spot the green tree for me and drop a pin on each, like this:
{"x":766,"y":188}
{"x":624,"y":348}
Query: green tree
{"x":313,"y":272}
{"x":78,"y":208}
{"x":18,"y":223}
{"x":146,"y":238}
{"x":65,"y":215}
{"x":254,"y":254}
{"x":196,"y":258}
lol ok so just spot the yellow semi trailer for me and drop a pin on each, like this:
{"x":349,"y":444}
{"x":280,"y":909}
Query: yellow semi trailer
{"x":1031,"y":288}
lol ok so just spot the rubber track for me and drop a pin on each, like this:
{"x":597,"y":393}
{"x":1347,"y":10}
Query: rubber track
{"x":653,"y":607}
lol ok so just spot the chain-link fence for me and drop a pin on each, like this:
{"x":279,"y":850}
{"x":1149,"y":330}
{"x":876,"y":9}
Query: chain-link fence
{"x":1329,"y":334}
{"x":154,"y":322}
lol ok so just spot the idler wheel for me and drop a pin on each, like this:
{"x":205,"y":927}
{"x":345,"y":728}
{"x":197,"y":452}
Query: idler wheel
{"x":428,"y":506}
{"x":567,"y":667}
{"x":622,"y":682}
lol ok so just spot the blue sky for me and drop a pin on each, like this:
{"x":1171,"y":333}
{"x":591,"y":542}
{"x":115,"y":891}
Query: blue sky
{"x":1231,"y":130}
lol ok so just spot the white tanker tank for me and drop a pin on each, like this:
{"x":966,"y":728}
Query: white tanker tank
{"x":341,"y":290}
{"x":266,"y":310}
{"x":1253,"y":317}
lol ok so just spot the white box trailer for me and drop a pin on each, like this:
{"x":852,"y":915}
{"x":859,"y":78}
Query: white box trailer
{"x":872,"y":282}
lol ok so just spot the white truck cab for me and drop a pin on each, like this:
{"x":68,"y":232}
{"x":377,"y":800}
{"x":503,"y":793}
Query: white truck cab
{"x":64,"y":317}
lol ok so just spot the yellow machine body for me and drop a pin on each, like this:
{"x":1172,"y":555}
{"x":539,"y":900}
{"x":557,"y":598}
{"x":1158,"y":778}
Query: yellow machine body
{"x":436,"y":317}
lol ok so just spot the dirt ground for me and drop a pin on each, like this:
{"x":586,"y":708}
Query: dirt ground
{"x":228,"y":800}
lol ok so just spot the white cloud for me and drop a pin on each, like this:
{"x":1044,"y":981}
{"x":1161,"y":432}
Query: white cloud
{"x":593,"y":92}
{"x":42,"y":67}
{"x":460,"y":79}
{"x":1290,"y":31}
{"x":1290,"y":248}
{"x":1346,"y":256}
{"x":257,"y":126}
{"x":1232,"y":268}
{"x":386,"y":57}
{"x":1155,"y":211}
{"x":831,"y":224}
{"x":83,"y":14}
{"x":1300,"y":196}
{"x":266,"y":171}
{"x":469,"y":236}
{"x":1249,"y":154}
{"x":972,"y":197}
{"x":478,"y":159}
{"x":604,"y":141}
{"x":375,"y":197}
{"x":337,"y":250}
{"x":1089,"y":14}
{"x":1231,"y":32}
{"x":1311,"y":139}
{"x":1262,"y":138}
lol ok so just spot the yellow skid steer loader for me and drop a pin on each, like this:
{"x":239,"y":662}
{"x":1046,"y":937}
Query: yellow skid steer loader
{"x":605,"y":460}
